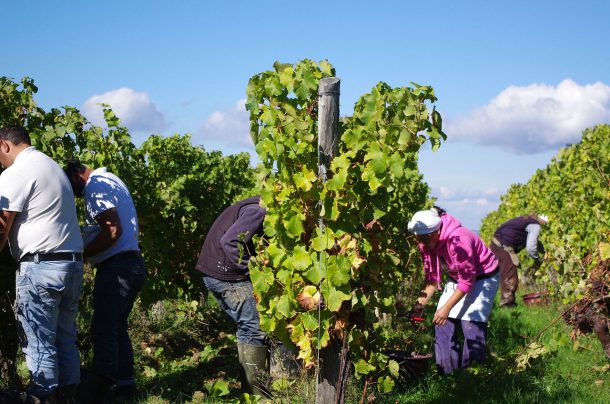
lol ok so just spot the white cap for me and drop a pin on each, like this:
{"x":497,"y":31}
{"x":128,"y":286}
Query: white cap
{"x":544,"y":218}
{"x":424,"y":222}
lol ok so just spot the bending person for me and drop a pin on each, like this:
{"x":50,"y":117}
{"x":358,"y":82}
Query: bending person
{"x":224,"y":261}
{"x":111,"y":245}
{"x":510,"y":238}
{"x":468,"y":296}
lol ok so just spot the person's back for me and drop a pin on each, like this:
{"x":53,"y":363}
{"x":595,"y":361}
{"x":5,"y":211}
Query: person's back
{"x":46,"y":219}
{"x":219,"y":258}
{"x":105,"y":189}
{"x":513,"y":232}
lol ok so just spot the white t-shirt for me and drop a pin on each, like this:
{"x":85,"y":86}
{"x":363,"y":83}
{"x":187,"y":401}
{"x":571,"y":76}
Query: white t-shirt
{"x":104,"y":191}
{"x":39,"y":191}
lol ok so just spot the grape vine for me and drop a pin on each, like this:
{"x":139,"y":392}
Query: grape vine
{"x":358,"y":262}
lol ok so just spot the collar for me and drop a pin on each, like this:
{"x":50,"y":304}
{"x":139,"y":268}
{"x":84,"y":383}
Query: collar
{"x":97,"y":171}
{"x":24,"y":152}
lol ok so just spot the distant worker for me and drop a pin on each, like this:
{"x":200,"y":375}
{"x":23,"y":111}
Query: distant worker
{"x":510,"y":238}
{"x":468,"y":296}
{"x":111,"y":245}
{"x":223,"y":261}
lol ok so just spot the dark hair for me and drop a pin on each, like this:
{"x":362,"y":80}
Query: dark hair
{"x":439,"y":210}
{"x":73,"y":166}
{"x":15,"y":134}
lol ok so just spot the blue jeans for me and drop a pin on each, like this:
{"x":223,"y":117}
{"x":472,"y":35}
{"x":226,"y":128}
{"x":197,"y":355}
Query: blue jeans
{"x":118,"y":281}
{"x":237,"y":300}
{"x":46,"y":307}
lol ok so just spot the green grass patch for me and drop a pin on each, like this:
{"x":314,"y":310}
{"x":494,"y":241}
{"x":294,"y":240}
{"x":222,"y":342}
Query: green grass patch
{"x":568,"y":372}
{"x":187,"y":354}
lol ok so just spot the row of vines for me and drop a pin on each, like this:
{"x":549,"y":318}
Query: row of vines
{"x":574,"y":190}
{"x":314,"y":286}
{"x":178,"y":188}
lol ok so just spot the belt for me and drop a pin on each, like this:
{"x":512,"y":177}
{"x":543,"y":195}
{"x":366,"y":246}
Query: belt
{"x":123,"y":255}
{"x":58,"y":256}
{"x":489,"y":274}
{"x":497,"y":242}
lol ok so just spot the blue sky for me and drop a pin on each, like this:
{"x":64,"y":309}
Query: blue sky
{"x":515,"y":80}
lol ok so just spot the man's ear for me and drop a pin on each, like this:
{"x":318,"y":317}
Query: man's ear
{"x":83,"y":176}
{"x":5,"y":146}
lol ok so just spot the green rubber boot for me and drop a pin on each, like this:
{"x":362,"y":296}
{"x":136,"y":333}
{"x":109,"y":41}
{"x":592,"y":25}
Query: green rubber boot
{"x":254,"y":360}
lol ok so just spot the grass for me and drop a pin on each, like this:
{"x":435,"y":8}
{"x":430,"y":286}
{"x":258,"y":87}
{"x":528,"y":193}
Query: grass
{"x":568,"y":373}
{"x":187,"y":354}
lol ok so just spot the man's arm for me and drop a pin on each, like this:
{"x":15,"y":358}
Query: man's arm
{"x":531,"y":244}
{"x":110,"y":231}
{"x":6,"y":223}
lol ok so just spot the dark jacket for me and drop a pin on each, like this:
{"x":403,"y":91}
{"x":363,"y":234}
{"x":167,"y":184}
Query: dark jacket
{"x":513,"y":233}
{"x":228,"y":245}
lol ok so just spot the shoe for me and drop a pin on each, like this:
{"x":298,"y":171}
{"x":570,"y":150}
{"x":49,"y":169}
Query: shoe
{"x":125,"y":392}
{"x":94,"y":389}
{"x":511,"y":304}
{"x":67,"y":394}
{"x":27,"y":398}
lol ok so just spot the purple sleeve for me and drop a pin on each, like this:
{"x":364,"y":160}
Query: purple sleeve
{"x":237,"y":237}
{"x":463,"y":258}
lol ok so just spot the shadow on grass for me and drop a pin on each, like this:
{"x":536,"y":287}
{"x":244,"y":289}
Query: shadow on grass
{"x":187,"y":350}
{"x":181,"y":384}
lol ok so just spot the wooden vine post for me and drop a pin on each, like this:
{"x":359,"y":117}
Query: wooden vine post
{"x":333,"y":361}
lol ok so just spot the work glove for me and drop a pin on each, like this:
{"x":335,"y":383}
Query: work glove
{"x":540,"y":248}
{"x":536,"y":265}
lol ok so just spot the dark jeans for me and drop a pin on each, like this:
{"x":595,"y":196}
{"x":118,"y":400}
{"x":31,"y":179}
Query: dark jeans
{"x":237,"y":300}
{"x":117,"y":283}
{"x":451,"y":353}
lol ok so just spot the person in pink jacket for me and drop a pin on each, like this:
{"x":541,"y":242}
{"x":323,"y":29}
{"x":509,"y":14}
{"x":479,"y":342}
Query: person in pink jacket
{"x":468,"y":295}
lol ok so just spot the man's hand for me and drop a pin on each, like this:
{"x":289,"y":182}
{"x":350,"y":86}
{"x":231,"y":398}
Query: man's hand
{"x":441,"y":315}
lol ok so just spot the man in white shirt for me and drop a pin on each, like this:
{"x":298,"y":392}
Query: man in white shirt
{"x":38,"y":219}
{"x":111,"y":245}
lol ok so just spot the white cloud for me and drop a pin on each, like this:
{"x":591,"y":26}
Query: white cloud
{"x":459,"y":194}
{"x":468,"y":205}
{"x":135,"y":109}
{"x":230,"y":127}
{"x":535,"y":118}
